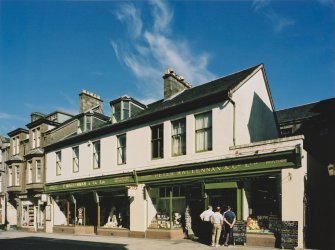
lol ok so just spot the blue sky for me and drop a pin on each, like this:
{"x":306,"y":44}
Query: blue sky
{"x":51,"y":50}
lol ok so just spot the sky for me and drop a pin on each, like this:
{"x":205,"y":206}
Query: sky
{"x":51,"y":50}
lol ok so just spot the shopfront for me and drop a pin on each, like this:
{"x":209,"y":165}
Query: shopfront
{"x":168,"y":198}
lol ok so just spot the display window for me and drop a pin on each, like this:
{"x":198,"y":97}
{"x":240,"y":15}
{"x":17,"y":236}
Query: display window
{"x":168,"y":201}
{"x":264,"y":203}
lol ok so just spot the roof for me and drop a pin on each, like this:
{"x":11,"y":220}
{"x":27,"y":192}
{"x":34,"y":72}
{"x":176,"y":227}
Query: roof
{"x":209,"y":93}
{"x":220,"y":85}
{"x":306,"y":111}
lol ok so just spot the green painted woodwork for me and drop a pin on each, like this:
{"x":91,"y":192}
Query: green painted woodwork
{"x":239,"y":166}
{"x":239,"y":200}
{"x":220,"y":185}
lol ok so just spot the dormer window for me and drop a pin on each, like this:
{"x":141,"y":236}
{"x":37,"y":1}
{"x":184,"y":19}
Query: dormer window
{"x":85,"y":123}
{"x":125,"y":107}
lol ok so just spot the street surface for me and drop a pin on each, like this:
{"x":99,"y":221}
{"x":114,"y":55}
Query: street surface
{"x":14,"y":240}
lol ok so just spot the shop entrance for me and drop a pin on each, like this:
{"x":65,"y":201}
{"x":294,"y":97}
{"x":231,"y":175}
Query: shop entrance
{"x":222,"y":198}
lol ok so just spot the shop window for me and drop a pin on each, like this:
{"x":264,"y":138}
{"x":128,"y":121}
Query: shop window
{"x":96,"y":154}
{"x":157,"y":149}
{"x":203,"y":132}
{"x":58,"y":163}
{"x":179,"y":137}
{"x":121,"y":149}
{"x":38,"y":170}
{"x":162,"y":205}
{"x":75,"y":159}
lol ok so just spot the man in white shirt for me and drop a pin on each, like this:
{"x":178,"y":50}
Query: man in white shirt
{"x":205,"y":216}
{"x":217,"y":221}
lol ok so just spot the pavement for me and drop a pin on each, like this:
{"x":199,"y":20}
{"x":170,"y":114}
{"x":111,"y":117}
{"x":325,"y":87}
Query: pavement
{"x":16,"y":240}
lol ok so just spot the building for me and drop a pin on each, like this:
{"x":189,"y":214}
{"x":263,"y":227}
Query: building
{"x":25,"y":163}
{"x":316,"y":122}
{"x":136,"y":173}
{"x":4,"y":147}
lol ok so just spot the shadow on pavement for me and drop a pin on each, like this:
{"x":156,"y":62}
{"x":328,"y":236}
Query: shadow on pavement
{"x":39,"y":243}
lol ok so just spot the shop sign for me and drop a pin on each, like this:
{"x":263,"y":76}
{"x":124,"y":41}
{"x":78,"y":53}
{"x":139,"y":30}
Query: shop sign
{"x":90,"y":184}
{"x":233,"y":168}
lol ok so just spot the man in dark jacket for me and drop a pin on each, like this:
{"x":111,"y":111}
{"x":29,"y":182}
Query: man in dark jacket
{"x":229,"y":218}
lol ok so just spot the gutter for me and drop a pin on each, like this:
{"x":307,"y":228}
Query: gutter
{"x":229,"y":97}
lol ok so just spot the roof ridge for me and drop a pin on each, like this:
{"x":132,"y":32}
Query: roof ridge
{"x":306,"y":104}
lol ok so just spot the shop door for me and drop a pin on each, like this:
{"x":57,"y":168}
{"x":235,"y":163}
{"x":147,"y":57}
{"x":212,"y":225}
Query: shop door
{"x":222,"y":198}
{"x":196,"y":208}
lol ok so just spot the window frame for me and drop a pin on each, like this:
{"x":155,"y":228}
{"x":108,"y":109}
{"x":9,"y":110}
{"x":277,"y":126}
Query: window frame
{"x":38,"y":173}
{"x":59,"y":163}
{"x":96,"y":155}
{"x":182,"y":135}
{"x":17,"y":175}
{"x":158,"y":140}
{"x":30,"y":172}
{"x":121,"y":158}
{"x":203,"y":129}
{"x":75,"y":159}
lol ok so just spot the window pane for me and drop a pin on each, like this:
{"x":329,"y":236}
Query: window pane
{"x":203,"y":132}
{"x":157,"y":149}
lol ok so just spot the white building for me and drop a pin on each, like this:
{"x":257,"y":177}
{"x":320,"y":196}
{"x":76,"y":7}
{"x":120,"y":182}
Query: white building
{"x":216,"y":143}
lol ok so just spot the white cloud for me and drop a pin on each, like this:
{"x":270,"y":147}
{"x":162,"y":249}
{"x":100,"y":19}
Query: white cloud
{"x":259,"y":4}
{"x":149,"y":53}
{"x":6,"y":116}
{"x":132,"y":17}
{"x":279,"y":21}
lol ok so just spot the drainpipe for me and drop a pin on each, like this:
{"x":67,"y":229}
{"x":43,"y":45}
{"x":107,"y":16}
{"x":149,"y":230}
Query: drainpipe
{"x":229,"y":96}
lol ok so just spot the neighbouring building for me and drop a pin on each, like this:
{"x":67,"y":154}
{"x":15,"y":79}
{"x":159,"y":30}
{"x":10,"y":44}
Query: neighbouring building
{"x":25,"y":174}
{"x":316,"y":122}
{"x":135,"y":173}
{"x":4,"y":147}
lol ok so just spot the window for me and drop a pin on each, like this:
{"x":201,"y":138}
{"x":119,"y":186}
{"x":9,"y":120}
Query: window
{"x":96,"y":154}
{"x":16,"y":145}
{"x":36,"y":138}
{"x":117,"y":112}
{"x":88,"y":120}
{"x":29,"y":172}
{"x":121,"y":149}
{"x":17,"y":175}
{"x":285,"y":132}
{"x":125,"y":110}
{"x":58,"y":163}
{"x":75,"y":159}
{"x":38,"y":170}
{"x":157,"y":149}
{"x":179,"y":137}
{"x":10,"y":177}
{"x":0,"y":182}
{"x":203,"y":132}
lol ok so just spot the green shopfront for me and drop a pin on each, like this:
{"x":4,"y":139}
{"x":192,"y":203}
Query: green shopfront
{"x":173,"y":197}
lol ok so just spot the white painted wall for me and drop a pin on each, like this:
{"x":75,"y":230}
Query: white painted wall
{"x":254,"y":114}
{"x":293,"y":196}
{"x":138,"y":212}
{"x":139,"y":139}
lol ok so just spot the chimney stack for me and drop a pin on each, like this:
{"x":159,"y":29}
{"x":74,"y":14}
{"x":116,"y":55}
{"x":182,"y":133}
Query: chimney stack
{"x":173,"y":83}
{"x":89,"y":101}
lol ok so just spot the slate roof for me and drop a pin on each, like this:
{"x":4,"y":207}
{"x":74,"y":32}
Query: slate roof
{"x":306,"y":111}
{"x":205,"y":94}
{"x":206,"y":90}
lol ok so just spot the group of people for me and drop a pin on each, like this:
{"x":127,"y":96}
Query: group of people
{"x":214,"y":222}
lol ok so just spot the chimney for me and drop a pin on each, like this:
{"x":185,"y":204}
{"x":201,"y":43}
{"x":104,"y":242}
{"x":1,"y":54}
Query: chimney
{"x":89,"y":101}
{"x":173,"y":83}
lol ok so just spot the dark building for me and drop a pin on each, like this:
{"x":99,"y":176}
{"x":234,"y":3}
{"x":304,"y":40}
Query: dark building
{"x":316,"y":121}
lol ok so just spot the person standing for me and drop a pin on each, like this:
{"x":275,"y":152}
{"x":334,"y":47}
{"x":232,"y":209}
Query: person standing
{"x":229,"y":218}
{"x":205,"y":216}
{"x":217,"y":221}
